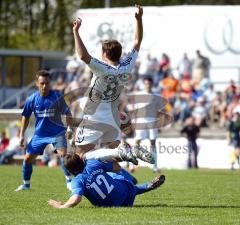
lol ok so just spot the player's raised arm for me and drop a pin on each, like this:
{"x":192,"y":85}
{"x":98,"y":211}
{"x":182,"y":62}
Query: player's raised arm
{"x":79,"y":46}
{"x":139,"y":28}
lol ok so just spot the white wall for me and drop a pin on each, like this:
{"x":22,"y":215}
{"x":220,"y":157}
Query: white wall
{"x":173,"y":30}
{"x":213,"y":153}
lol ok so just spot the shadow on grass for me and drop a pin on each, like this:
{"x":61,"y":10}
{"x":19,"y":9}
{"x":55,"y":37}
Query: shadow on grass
{"x":188,"y":206}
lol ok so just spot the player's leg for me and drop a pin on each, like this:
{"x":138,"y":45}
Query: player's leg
{"x":139,"y":151}
{"x":153,"y":133}
{"x":86,"y":139}
{"x":34,"y":148}
{"x":27,"y":171}
{"x":120,"y":153}
{"x":60,"y":145}
{"x":155,"y":183}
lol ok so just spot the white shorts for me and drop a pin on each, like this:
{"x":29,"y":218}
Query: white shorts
{"x":151,"y":134}
{"x":103,"y":133}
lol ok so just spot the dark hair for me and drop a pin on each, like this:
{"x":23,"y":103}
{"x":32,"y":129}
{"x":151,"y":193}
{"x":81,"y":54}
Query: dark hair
{"x":43,"y":73}
{"x":73,"y":163}
{"x":113,"y":49}
{"x":148,"y":78}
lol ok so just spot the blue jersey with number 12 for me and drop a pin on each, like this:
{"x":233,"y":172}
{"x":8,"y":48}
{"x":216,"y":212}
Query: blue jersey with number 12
{"x":101,"y":188}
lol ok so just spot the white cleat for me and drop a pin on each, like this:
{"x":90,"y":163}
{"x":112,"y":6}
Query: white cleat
{"x":143,"y":154}
{"x":125,"y":154}
{"x":69,"y":187}
{"x":23,"y":187}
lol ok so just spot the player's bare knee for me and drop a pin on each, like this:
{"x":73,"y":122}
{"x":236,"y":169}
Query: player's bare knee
{"x":29,"y":158}
{"x":62,"y":152}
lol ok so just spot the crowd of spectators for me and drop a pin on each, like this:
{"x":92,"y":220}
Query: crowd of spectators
{"x":188,"y":87}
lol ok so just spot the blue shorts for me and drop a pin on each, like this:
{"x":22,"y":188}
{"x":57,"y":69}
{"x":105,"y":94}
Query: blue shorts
{"x":38,"y":144}
{"x":236,"y":143}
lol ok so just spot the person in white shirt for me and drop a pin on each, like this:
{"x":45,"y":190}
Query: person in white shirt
{"x":147,"y":118}
{"x":100,"y":114}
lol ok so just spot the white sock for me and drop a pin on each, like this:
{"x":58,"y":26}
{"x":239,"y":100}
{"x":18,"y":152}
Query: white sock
{"x":68,"y":178}
{"x":104,"y":154}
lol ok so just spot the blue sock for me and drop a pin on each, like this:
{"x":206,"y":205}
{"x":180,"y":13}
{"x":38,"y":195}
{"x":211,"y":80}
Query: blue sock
{"x":66,"y":173}
{"x":141,"y":188}
{"x":26,"y":172}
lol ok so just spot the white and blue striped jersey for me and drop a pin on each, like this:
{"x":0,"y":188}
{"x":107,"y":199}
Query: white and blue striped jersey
{"x":102,"y":99}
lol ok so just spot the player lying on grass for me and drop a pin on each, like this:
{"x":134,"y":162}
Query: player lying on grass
{"x":102,"y":183}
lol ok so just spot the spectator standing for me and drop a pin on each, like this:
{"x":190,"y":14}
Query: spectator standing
{"x":201,"y":67}
{"x":184,"y":66}
{"x":191,"y":130}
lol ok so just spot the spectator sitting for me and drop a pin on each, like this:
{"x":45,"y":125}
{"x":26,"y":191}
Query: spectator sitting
{"x":164,"y":66}
{"x":210,"y":95}
{"x":60,"y":84}
{"x":231,"y":90}
{"x":4,"y":142}
{"x":200,"y":113}
{"x":186,"y":86}
{"x":233,"y":104}
{"x":169,"y":87}
{"x":12,"y":149}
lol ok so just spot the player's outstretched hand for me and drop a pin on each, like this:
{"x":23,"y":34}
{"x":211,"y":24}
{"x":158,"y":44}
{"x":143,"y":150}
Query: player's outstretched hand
{"x":77,"y":24}
{"x":139,"y":12}
{"x":54,"y":204}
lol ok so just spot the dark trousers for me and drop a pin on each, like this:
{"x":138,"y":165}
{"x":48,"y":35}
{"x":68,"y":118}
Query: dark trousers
{"x":192,"y":154}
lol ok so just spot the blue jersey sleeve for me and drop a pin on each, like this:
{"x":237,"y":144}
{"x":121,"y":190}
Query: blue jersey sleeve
{"x":98,"y":164}
{"x":28,"y":107}
{"x":93,"y":164}
{"x":107,"y":166}
{"x":77,"y":186}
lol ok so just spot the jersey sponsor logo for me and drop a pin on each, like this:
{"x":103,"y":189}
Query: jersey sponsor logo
{"x":45,"y":113}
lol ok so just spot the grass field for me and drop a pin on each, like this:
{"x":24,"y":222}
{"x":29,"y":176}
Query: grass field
{"x":187,"y":197}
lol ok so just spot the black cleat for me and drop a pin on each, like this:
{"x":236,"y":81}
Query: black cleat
{"x":156,"y":182}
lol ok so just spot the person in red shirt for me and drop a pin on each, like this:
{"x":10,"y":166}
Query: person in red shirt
{"x":4,"y":142}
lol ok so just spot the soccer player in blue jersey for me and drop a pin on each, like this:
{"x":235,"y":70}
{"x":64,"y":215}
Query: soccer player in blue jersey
{"x":47,"y":106}
{"x":102,"y":183}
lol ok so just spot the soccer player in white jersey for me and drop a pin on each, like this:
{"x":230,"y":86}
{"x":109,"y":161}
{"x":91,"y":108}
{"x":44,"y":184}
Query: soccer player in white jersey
{"x":100,"y":105}
{"x":148,"y":117}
